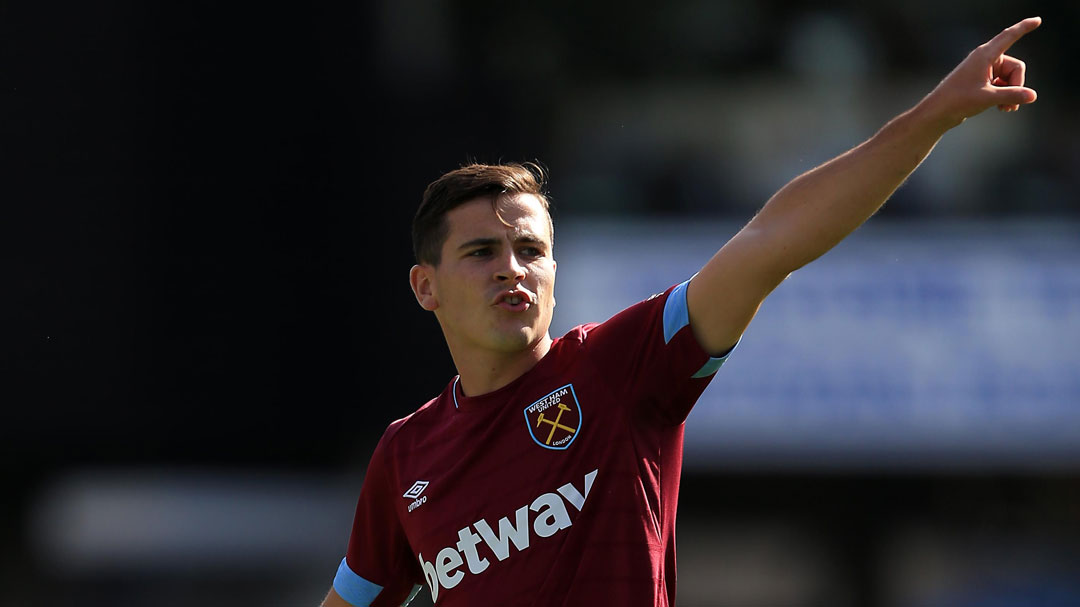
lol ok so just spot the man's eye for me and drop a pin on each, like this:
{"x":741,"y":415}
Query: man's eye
{"x":531,"y":252}
{"x":484,"y":252}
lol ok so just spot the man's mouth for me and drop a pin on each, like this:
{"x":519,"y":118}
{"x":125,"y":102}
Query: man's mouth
{"x":514,"y":301}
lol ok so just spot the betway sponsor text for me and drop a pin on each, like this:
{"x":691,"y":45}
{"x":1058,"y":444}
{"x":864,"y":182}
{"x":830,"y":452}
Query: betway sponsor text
{"x":551,"y":517}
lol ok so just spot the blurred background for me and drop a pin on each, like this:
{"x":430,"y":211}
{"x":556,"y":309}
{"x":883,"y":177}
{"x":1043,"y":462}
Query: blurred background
{"x":207,"y":322}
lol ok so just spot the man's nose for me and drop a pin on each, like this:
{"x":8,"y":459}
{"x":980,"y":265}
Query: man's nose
{"x":510,"y":270}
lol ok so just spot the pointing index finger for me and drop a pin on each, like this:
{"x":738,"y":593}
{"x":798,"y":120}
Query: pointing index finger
{"x":1001,"y":43}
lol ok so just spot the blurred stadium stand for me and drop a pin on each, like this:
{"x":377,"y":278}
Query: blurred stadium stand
{"x":207,"y":322}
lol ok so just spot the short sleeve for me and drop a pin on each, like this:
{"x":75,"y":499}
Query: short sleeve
{"x":378,"y":568}
{"x":652,"y":350}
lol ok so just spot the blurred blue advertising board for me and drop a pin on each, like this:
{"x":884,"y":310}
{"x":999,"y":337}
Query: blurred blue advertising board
{"x":911,"y":344}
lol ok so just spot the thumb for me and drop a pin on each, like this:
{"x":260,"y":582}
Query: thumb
{"x":1013,"y":95}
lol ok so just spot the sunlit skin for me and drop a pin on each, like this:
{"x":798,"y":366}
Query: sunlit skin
{"x":488,"y":260}
{"x":818,"y":209}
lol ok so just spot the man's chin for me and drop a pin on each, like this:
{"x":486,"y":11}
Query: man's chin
{"x":515,"y":343}
{"x":519,"y":341}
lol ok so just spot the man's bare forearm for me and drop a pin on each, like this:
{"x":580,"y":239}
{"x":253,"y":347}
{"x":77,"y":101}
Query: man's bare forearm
{"x":818,"y":209}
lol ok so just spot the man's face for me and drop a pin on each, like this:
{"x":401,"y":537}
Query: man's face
{"x":493,"y":290}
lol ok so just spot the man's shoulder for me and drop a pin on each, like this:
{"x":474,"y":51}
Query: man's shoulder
{"x":629,"y":317}
{"x":576,"y":335}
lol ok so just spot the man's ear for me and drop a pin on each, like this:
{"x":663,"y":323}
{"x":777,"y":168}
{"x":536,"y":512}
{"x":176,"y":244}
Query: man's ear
{"x":420,"y":278}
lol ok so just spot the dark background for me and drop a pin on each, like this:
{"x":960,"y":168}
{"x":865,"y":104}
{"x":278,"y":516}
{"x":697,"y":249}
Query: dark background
{"x":205,"y":244}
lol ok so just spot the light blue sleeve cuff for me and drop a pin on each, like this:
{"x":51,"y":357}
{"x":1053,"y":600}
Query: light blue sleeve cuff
{"x":354,"y":589}
{"x":677,"y":316}
{"x":676,"y":312}
{"x":713,"y":364}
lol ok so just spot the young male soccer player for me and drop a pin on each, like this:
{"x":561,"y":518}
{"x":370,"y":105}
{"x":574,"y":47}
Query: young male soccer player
{"x":547,"y":472}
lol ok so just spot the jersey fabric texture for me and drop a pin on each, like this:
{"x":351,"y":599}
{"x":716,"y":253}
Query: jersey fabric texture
{"x":559,"y":488}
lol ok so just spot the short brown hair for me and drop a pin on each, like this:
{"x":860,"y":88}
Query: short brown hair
{"x":429,"y":228}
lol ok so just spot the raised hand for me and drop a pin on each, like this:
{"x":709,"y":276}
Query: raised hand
{"x":987,"y":77}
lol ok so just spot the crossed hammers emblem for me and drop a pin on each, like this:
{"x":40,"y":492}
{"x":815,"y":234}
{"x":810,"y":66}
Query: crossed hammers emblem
{"x":555,"y":424}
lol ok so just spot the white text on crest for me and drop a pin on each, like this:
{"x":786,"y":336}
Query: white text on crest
{"x":548,"y":401}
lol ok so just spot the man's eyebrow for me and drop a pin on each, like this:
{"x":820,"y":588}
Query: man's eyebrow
{"x":488,"y":242}
{"x":479,"y":242}
{"x":527,"y":237}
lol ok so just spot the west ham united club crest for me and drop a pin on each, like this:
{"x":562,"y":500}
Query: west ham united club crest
{"x":555,"y":420}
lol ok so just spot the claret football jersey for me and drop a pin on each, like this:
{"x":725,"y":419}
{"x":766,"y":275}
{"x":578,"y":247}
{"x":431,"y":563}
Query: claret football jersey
{"x":559,"y":488}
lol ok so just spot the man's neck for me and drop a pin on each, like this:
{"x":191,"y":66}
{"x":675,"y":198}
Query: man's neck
{"x":488,"y":371}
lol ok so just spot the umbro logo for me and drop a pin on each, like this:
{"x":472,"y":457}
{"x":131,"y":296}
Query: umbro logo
{"x":414,"y":492}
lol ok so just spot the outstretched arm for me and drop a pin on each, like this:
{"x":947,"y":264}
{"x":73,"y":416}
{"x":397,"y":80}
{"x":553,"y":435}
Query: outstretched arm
{"x":818,"y":209}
